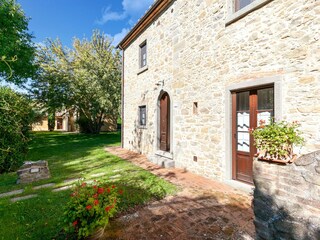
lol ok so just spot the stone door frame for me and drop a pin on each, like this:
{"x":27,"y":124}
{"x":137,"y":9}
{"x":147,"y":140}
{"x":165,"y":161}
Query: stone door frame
{"x":168,"y":154}
{"x":277,"y":82}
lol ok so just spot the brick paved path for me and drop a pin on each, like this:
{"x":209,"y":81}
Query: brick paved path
{"x":204,"y":209}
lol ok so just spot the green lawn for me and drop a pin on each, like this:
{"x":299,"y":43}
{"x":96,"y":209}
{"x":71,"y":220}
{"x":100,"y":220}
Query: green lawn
{"x":71,"y":156}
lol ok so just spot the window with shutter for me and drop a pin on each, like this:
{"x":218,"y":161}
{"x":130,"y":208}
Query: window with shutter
{"x":143,"y":54}
{"x":142,"y":115}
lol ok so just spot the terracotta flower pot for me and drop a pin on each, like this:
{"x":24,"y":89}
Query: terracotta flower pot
{"x":260,"y":157}
{"x":97,"y":235}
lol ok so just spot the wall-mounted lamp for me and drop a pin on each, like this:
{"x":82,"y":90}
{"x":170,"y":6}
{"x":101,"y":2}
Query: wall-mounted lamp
{"x":159,"y":83}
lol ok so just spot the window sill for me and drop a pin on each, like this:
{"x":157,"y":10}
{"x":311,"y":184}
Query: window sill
{"x":143,"y":69}
{"x":246,"y":10}
{"x":142,"y":127}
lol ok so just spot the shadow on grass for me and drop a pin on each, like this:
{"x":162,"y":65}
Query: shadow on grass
{"x":71,"y":156}
{"x":68,"y":155}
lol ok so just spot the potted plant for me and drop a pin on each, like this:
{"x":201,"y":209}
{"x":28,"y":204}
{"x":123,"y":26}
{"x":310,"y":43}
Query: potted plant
{"x":88,"y":211}
{"x":276,"y":140}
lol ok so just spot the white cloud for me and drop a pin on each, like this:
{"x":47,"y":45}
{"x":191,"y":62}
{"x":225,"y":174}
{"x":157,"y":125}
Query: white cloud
{"x":119,"y":36}
{"x":132,"y":9}
{"x":108,"y":15}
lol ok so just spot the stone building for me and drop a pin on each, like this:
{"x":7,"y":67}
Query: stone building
{"x":198,"y":74}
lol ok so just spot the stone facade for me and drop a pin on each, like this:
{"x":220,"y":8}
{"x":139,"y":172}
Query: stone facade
{"x":33,"y":171}
{"x":196,"y":55}
{"x":287,"y":199}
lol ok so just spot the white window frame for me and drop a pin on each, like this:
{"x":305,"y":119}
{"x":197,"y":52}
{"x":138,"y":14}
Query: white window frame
{"x":233,"y":15}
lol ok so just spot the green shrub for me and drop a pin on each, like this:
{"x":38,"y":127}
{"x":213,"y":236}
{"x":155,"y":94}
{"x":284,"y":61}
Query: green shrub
{"x":90,"y":207}
{"x":90,"y":126}
{"x":16,"y":117}
{"x":276,"y":140}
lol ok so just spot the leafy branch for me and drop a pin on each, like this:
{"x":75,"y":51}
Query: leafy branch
{"x":4,"y":60}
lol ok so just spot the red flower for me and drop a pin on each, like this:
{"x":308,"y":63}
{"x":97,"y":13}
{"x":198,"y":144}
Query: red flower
{"x":96,"y":202}
{"x":73,"y":194}
{"x":95,"y":195}
{"x":95,"y":186}
{"x":100,"y":190}
{"x":120,"y":191}
{"x":108,"y":208}
{"x":83,"y":184}
{"x":115,"y":201}
{"x":75,"y":223}
{"x":108,"y":190}
{"x":262,"y":122}
{"x":113,"y":186}
{"x":88,"y":207}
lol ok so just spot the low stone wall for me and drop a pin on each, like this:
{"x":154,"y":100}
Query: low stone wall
{"x":287,"y":199}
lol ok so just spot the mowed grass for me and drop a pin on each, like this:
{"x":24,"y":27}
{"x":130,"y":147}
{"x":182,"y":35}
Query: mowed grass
{"x":71,"y":156}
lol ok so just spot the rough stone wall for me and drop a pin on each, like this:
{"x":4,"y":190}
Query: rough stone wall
{"x":195,"y":57}
{"x":287,"y":199}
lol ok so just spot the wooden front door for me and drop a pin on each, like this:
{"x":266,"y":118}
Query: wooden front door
{"x":59,"y":123}
{"x":165,"y":122}
{"x":249,"y":108}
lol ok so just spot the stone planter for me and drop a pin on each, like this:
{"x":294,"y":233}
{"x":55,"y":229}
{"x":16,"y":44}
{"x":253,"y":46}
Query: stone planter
{"x":261,"y":157}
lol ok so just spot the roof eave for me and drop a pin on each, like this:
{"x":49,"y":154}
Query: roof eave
{"x":144,"y":22}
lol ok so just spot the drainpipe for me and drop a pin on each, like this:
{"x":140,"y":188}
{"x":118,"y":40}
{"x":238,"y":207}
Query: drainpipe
{"x":122,"y":98}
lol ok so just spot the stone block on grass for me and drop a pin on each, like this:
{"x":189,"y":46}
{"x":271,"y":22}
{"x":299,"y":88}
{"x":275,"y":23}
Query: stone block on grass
{"x":33,"y":171}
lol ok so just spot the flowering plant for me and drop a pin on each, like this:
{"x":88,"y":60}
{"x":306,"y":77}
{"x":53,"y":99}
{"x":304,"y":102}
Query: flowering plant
{"x":276,"y":140}
{"x":90,"y":207}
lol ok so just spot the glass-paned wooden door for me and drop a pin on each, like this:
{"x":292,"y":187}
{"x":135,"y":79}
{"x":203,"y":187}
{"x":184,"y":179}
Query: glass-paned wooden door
{"x":249,"y":109}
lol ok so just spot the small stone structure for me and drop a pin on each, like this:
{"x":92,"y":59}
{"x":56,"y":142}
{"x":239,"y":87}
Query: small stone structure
{"x":287,"y":199}
{"x":33,"y":171}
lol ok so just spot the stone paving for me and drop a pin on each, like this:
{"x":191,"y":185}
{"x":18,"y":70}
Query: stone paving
{"x":16,"y":199}
{"x":15,"y":192}
{"x":70,"y":183}
{"x":204,"y":209}
{"x":48,"y":185}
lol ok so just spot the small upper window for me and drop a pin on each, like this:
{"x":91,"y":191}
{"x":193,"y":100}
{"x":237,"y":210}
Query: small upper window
{"x":239,"y":4}
{"x":142,"y":115}
{"x":143,"y":54}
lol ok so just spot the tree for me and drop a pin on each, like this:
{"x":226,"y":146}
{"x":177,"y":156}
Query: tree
{"x":86,"y":78}
{"x":16,"y":49}
{"x":16,"y":116}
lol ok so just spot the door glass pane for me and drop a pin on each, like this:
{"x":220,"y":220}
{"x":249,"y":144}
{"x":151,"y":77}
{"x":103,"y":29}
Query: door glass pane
{"x":265,"y":106}
{"x":243,"y":101}
{"x":265,"y":99}
{"x":243,"y":121}
{"x":243,"y":141}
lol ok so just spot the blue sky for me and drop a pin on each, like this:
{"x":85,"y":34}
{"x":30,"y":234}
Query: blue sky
{"x":77,"y":18}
